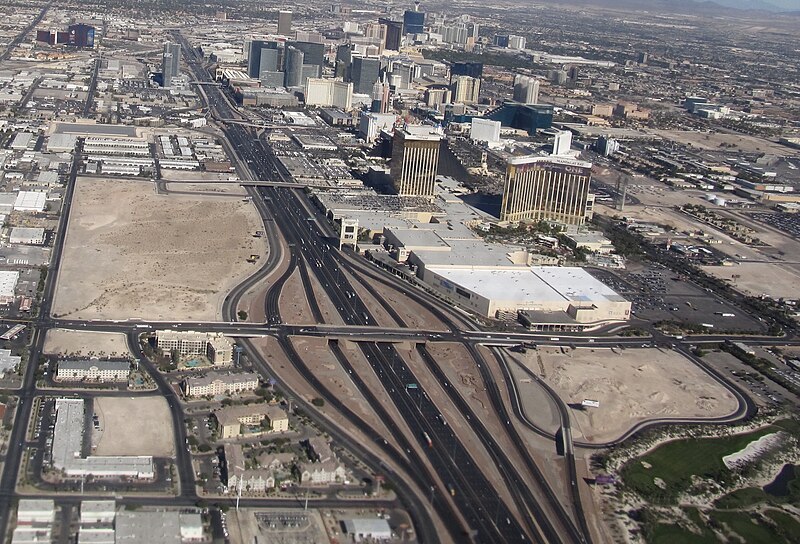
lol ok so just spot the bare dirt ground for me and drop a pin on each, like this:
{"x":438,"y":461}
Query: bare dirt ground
{"x":415,"y":316}
{"x":85,"y":343}
{"x":292,"y":301}
{"x":375,"y":308}
{"x":129,"y":252}
{"x":228,"y":189}
{"x":756,"y":279}
{"x":149,"y":433}
{"x":712,"y":141}
{"x":631,"y":385}
{"x":183,"y":175}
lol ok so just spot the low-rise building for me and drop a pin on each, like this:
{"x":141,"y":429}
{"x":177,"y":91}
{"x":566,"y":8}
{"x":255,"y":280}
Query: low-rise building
{"x":215,"y":383}
{"x":27,"y":236}
{"x":93,"y":370}
{"x":232,"y":419}
{"x":215,"y":346}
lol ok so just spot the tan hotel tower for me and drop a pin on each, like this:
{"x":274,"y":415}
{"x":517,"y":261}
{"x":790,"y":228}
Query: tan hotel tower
{"x":539,"y":188}
{"x":415,"y":160}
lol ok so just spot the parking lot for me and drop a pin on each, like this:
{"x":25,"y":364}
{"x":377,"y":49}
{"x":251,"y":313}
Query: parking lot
{"x":785,"y":222}
{"x":657,"y":294}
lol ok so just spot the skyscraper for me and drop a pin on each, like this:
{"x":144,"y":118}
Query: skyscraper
{"x":285,"y":23}
{"x":293,"y":68}
{"x":526,"y":89}
{"x":413,"y":22}
{"x":262,"y":56}
{"x":81,"y":35}
{"x":562,"y":142}
{"x":171,"y":61}
{"x":546,"y":189}
{"x":471,"y":69}
{"x":364,"y":73}
{"x":394,"y":33}
{"x":415,"y":160}
{"x":314,"y":53}
{"x":465,"y":89}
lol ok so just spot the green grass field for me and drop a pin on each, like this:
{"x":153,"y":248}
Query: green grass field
{"x":676,"y":462}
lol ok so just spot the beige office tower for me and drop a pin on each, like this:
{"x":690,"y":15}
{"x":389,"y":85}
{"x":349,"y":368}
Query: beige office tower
{"x":526,"y":89}
{"x":547,"y":189}
{"x":285,"y":23}
{"x":415,"y":160}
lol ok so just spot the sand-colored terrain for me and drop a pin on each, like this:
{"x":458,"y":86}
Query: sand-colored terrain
{"x":83,"y":343}
{"x":149,"y":433}
{"x":631,"y":385}
{"x":131,"y":253}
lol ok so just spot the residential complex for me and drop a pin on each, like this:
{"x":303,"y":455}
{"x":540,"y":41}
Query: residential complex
{"x":247,"y":419}
{"x":93,"y":370}
{"x":214,"y":383}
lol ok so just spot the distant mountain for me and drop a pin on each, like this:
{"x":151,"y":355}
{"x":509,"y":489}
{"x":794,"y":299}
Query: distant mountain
{"x":760,"y":5}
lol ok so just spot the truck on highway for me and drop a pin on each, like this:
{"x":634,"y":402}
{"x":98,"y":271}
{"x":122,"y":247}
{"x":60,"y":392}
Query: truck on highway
{"x":427,"y":439}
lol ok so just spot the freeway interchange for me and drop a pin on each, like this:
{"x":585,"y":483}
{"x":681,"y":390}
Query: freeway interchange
{"x":434,"y":470}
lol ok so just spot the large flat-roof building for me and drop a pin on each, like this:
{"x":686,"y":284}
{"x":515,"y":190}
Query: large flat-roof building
{"x":67,"y":449}
{"x":415,"y":160}
{"x":488,"y":291}
{"x":541,"y":188}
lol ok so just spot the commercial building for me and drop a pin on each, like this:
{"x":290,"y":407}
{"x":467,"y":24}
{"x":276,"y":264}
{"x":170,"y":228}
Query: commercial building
{"x":284,"y":23}
{"x":293,"y":67}
{"x":415,"y":160}
{"x":367,"y":529}
{"x":67,"y":449}
{"x":236,"y":420}
{"x":160,"y":527}
{"x":547,"y":189}
{"x":328,"y":92}
{"x":213,"y":345}
{"x":465,"y":89}
{"x":8,"y":362}
{"x":30,"y":201}
{"x":98,"y":512}
{"x":170,"y":63}
{"x":372,"y":124}
{"x":35,"y":511}
{"x":526,"y":89}
{"x":8,"y":285}
{"x":28,"y":236}
{"x":485,"y":130}
{"x":550,"y":295}
{"x":528,"y":117}
{"x":562,"y":142}
{"x":394,"y":33}
{"x":364,"y":72}
{"x":81,"y":35}
{"x":93,"y":370}
{"x":471,"y":69}
{"x":262,"y":57}
{"x":413,"y":22}
{"x":313,"y":54}
{"x":215,"y":383}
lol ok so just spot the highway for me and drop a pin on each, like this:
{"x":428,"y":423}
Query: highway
{"x":22,"y":35}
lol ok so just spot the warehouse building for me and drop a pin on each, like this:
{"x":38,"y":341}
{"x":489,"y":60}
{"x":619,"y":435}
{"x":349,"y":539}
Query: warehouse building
{"x":67,"y":449}
{"x":30,"y":201}
{"x":8,"y":285}
{"x":27,"y":236}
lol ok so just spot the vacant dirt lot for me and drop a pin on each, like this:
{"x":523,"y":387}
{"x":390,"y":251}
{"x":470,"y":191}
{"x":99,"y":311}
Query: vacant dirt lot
{"x":132,"y":253}
{"x":631,"y":385}
{"x":149,"y":433}
{"x":85,"y":343}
